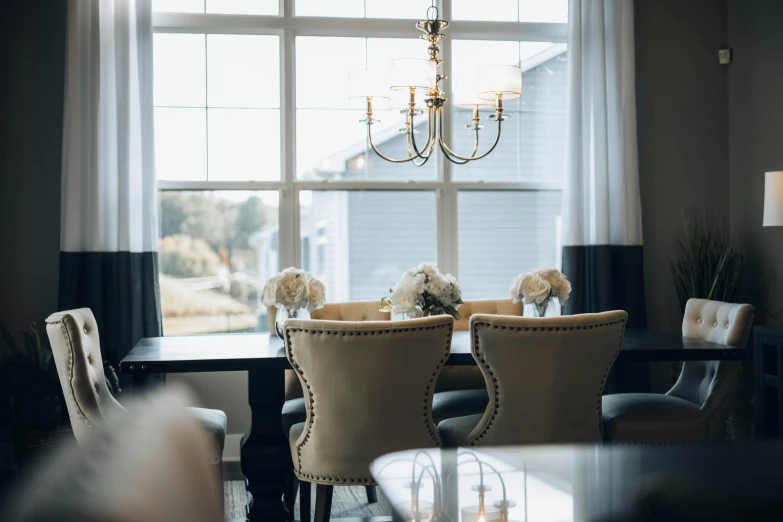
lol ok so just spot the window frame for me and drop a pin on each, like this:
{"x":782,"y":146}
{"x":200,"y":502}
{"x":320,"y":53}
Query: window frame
{"x":287,"y":27}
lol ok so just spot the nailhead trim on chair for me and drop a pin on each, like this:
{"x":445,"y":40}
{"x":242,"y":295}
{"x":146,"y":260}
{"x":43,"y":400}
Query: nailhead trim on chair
{"x":351,"y":480}
{"x":486,"y":365}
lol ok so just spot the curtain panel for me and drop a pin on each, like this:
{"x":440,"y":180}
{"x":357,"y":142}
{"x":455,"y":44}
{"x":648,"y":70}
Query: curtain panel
{"x":602,"y":224}
{"x":108,"y":258}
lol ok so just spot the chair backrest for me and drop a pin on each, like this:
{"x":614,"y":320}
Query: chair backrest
{"x":470,"y":377}
{"x":76,"y":348}
{"x":368,"y":391}
{"x":350,"y":311}
{"x":710,"y":384}
{"x":150,"y":464}
{"x":488,"y":306}
{"x":545,"y":376}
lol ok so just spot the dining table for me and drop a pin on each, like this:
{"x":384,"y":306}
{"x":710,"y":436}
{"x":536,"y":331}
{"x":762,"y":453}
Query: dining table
{"x":576,"y":483}
{"x":265,"y":456}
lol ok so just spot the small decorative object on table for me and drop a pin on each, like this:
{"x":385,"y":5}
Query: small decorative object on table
{"x":424,"y":291}
{"x":543,"y":292}
{"x":295,"y":293}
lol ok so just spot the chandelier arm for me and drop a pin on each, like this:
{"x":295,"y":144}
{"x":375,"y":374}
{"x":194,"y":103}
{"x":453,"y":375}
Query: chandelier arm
{"x":431,"y":138}
{"x":383,"y":156}
{"x":429,"y":154}
{"x":449,"y":152}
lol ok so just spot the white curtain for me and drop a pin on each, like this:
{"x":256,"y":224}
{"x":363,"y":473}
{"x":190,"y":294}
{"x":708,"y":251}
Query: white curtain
{"x":602,"y":226}
{"x":109,"y":230}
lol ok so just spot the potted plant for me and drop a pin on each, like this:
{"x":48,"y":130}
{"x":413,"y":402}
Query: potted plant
{"x":708,"y":262}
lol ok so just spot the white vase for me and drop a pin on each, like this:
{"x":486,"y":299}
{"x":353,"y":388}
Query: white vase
{"x":283,"y":313}
{"x":549,"y":308}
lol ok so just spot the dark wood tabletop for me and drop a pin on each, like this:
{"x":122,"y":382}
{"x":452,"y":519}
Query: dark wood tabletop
{"x":242,"y":352}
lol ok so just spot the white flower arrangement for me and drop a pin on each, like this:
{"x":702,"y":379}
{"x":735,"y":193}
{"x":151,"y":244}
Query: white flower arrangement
{"x":294,"y":289}
{"x":424,"y":288}
{"x":538,"y":287}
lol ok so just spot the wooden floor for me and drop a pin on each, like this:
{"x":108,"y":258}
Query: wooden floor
{"x":347,"y":503}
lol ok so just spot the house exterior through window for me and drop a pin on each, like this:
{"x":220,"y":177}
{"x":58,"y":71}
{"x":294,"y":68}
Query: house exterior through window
{"x":262,"y":162}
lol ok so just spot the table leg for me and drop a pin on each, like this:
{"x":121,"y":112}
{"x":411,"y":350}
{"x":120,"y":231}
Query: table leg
{"x":265,"y":454}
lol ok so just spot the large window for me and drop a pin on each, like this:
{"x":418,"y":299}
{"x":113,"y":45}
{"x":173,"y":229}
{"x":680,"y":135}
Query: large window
{"x":262,"y":162}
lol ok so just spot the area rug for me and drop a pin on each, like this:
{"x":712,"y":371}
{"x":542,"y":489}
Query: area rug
{"x":347,"y":502}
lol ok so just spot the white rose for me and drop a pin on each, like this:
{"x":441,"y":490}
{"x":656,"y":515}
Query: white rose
{"x":317,"y":294}
{"x":516,"y":288}
{"x":292,"y":291}
{"x":269,"y":298}
{"x":404,"y":299}
{"x":534,"y":289}
{"x":560,"y":285}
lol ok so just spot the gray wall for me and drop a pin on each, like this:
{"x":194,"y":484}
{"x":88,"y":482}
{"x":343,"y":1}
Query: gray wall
{"x":756,"y":146}
{"x":32,"y":37}
{"x":682,"y":111}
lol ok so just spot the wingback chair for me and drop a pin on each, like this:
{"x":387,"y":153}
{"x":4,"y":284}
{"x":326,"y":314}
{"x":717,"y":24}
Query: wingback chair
{"x":460,"y":390}
{"x":369,"y":388}
{"x":544,"y":377}
{"x":77,"y":354}
{"x":694,"y":410}
{"x":294,"y":410}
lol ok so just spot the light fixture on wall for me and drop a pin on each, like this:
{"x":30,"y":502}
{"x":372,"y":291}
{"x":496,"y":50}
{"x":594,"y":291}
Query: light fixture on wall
{"x":493,"y":85}
{"x":773,"y":199}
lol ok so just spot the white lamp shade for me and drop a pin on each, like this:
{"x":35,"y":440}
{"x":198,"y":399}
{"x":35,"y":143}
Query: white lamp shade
{"x":366,"y":84}
{"x":773,"y":199}
{"x":412,"y":73}
{"x":466,"y":96}
{"x":499,"y":79}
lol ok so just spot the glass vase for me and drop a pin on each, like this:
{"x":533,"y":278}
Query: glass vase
{"x":413,"y":314}
{"x":284,"y":313}
{"x":549,"y":308}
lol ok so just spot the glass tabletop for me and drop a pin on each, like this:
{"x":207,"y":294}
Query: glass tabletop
{"x":575,"y":483}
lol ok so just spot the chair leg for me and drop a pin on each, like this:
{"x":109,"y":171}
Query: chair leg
{"x":304,"y":501}
{"x":372,"y":496}
{"x":323,"y":502}
{"x":289,"y":497}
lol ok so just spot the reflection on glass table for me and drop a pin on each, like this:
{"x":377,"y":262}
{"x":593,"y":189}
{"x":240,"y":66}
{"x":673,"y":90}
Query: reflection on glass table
{"x":575,"y":483}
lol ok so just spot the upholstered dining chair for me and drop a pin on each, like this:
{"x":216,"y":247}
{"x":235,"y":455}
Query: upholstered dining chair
{"x":694,"y":410}
{"x":460,"y":390}
{"x":294,"y":410}
{"x":77,"y":355}
{"x":369,"y":388}
{"x":544,"y":377}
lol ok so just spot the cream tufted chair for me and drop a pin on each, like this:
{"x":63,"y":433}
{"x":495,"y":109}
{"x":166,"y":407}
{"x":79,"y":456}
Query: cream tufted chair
{"x":544,"y":376}
{"x":77,"y":355}
{"x":460,"y":389}
{"x":369,"y":392}
{"x":694,"y":410}
{"x":294,"y":410}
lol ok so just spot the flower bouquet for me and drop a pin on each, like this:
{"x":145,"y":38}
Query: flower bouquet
{"x":295,"y":293}
{"x":545,"y":291}
{"x":424,"y":291}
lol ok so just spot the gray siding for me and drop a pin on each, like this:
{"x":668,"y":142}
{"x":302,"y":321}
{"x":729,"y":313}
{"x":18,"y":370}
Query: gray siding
{"x":389,"y":232}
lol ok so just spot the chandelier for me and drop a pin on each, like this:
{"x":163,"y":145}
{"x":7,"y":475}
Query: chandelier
{"x":492,"y":85}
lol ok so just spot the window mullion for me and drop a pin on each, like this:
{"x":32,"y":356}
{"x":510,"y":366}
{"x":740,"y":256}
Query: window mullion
{"x":447,"y":196}
{"x":289,"y":241}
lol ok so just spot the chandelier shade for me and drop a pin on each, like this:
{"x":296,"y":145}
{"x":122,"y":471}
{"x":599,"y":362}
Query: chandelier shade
{"x":413,"y":74}
{"x":466,"y":96}
{"x":499,"y":80}
{"x":367,"y":84}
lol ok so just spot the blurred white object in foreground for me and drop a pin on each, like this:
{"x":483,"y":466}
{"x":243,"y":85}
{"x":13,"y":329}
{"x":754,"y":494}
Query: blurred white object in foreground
{"x":147,"y":464}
